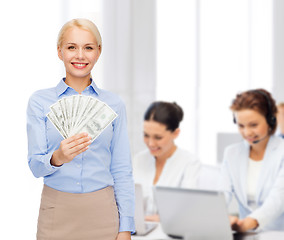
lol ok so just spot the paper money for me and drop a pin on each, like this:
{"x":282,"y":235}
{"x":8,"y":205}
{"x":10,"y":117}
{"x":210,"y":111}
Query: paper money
{"x":78,"y":113}
{"x":97,"y":121}
{"x":54,"y":121}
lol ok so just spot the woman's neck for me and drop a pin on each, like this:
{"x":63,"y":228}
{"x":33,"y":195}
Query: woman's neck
{"x":163,"y":158}
{"x":160,"y":163}
{"x":78,"y":84}
{"x":257,"y":150}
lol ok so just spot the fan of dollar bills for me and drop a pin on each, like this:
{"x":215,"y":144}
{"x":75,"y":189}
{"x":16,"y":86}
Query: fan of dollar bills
{"x":78,"y":113}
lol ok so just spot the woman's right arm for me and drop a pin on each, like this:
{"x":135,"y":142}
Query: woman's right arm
{"x":43,"y":161}
{"x":38,"y":154}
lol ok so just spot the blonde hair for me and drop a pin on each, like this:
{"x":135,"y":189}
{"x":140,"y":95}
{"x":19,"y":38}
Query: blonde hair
{"x":81,"y":23}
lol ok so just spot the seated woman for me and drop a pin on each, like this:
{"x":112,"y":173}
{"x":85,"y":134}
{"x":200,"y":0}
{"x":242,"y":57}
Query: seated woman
{"x":163,"y":163}
{"x":280,"y":119}
{"x":253,"y":170}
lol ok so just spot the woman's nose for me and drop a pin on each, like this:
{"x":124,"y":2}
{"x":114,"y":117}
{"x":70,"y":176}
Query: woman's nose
{"x":151,"y":142}
{"x":80,"y":53}
{"x":247,"y":131}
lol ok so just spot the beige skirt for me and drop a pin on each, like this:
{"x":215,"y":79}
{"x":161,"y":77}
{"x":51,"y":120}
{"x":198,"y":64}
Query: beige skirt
{"x":72,"y":216}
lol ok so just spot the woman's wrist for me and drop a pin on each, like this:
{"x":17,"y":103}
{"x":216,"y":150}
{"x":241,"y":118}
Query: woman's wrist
{"x":124,"y":236}
{"x":255,"y":223}
{"x":54,"y":161}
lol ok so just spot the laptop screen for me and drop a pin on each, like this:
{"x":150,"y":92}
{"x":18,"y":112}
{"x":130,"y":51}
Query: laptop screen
{"x":198,"y":214}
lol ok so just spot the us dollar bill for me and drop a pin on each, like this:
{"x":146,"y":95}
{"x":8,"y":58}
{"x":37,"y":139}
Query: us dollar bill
{"x":68,"y":102}
{"x":53,"y":120}
{"x":59,"y":115}
{"x":91,"y":110}
{"x":96,"y":124}
{"x":79,"y":113}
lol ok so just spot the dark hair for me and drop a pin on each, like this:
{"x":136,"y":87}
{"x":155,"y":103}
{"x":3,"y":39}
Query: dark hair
{"x":259,"y":100}
{"x":169,"y":114}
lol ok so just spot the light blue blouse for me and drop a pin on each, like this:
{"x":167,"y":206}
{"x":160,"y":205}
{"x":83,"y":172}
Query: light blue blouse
{"x":107,"y":162}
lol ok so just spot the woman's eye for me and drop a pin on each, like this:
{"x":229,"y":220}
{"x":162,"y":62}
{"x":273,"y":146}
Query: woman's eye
{"x":71,"y":47}
{"x":89,"y":48}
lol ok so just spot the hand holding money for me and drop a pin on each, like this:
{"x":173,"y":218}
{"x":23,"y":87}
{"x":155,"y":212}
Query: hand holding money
{"x":70,"y":148}
{"x":80,"y":120}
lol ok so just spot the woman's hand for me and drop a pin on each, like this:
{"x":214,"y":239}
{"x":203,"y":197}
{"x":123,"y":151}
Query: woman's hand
{"x":152,"y":218}
{"x":123,"y":236}
{"x":243,"y":225}
{"x":70,"y":148}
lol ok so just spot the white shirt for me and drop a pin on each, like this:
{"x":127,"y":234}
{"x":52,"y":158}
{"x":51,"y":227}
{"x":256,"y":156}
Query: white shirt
{"x":180,"y":170}
{"x":253,"y":172}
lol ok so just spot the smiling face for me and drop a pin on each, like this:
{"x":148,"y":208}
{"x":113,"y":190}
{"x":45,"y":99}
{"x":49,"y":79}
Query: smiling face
{"x":252,"y":125}
{"x":79,"y":51}
{"x":158,"y":139}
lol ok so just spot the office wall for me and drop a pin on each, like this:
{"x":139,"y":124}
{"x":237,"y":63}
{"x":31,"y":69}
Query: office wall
{"x":130,"y":59}
{"x":278,"y":50}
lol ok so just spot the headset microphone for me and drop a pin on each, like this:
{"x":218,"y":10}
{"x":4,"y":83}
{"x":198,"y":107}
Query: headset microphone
{"x":259,"y":140}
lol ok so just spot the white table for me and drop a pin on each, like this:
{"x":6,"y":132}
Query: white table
{"x":158,"y":234}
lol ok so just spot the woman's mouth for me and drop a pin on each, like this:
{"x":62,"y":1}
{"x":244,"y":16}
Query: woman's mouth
{"x":79,"y":65}
{"x":251,"y":139}
{"x":154,"y":149}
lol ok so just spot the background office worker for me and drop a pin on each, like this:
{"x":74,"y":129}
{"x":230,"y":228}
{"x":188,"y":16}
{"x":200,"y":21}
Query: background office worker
{"x":163,"y":163}
{"x":88,"y":187}
{"x":280,"y":119}
{"x":253,"y":170}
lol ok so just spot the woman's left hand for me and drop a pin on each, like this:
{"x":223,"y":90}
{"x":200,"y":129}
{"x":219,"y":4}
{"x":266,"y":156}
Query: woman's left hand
{"x":152,"y":218}
{"x":243,"y":225}
{"x":123,"y":236}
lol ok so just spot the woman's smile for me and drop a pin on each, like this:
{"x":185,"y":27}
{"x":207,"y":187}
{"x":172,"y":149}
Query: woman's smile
{"x":79,"y":65}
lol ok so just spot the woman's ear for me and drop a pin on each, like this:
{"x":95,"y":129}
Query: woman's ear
{"x":176,"y":132}
{"x":59,"y":53}
{"x":100,"y":51}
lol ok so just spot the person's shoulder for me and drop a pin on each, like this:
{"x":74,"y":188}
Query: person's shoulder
{"x":235,"y":152}
{"x":142,"y":161}
{"x":142,"y":155}
{"x":185,"y":156}
{"x":235,"y":147}
{"x":42,"y":95}
{"x":277,"y":143}
{"x":111,"y":98}
{"x":278,"y":140}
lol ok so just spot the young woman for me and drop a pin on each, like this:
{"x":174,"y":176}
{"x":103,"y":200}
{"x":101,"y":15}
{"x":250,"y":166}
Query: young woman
{"x":88,"y":188}
{"x":253,"y":170}
{"x":280,"y":119}
{"x":163,"y":163}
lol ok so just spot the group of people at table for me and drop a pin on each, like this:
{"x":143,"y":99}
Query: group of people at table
{"x":88,"y":188}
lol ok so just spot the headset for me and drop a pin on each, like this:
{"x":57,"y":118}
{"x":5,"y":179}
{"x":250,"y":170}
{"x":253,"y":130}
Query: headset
{"x":270,"y":118}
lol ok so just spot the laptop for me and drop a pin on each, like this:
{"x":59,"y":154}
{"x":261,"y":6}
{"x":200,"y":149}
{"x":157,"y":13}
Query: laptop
{"x":142,"y":227}
{"x":195,"y":214}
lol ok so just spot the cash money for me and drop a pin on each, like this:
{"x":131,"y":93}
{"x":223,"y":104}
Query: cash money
{"x":78,"y":113}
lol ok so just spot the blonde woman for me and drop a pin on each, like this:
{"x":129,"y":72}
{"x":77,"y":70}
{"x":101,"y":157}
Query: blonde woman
{"x":88,"y":188}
